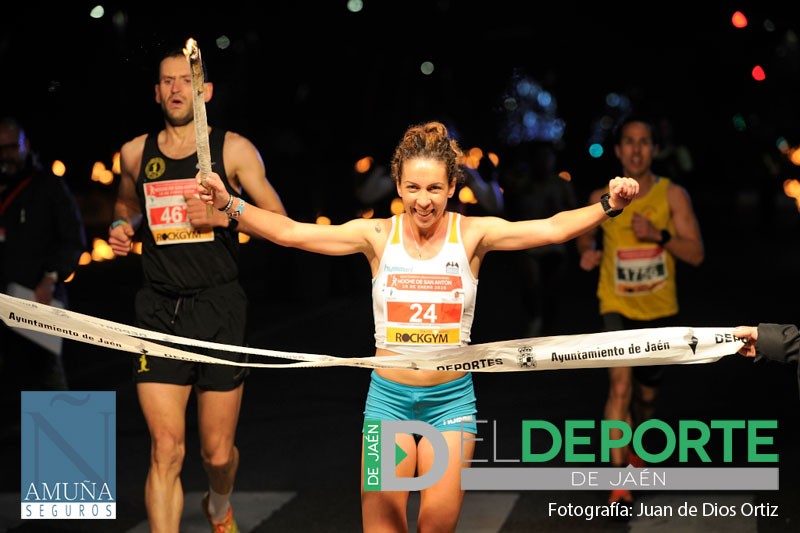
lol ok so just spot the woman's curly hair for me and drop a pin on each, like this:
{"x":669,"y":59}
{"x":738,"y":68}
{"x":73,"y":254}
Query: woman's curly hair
{"x":430,"y":141}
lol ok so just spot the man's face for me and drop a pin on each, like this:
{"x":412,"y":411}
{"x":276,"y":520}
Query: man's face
{"x":174,"y":91}
{"x":13,"y":151}
{"x":636,"y":149}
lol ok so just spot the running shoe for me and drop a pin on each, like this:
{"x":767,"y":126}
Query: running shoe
{"x":227,"y":525}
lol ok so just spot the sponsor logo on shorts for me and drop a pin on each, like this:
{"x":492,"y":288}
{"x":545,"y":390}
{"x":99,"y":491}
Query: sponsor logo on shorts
{"x":458,"y":420}
{"x":143,"y":364}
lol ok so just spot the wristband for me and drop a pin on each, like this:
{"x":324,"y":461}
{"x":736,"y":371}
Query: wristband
{"x":117,"y":223}
{"x":228,"y":206}
{"x":236,"y":213}
{"x":665,"y":237}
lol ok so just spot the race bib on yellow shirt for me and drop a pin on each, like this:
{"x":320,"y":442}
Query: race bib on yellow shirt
{"x":640,"y":270}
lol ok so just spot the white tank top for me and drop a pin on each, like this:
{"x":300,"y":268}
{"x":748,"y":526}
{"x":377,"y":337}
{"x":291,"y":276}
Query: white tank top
{"x":421,"y":305}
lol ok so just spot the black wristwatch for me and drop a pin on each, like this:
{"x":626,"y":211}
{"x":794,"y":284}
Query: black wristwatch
{"x":607,"y":206}
{"x":665,"y":237}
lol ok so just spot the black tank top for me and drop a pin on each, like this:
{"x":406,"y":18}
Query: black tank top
{"x":182,"y":267}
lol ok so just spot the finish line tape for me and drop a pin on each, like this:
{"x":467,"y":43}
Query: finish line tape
{"x":636,"y":347}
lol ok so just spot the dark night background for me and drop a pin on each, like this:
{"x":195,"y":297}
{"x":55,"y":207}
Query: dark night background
{"x":316,"y":87}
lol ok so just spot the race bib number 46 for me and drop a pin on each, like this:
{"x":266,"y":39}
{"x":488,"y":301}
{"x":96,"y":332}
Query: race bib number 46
{"x":166,"y":212}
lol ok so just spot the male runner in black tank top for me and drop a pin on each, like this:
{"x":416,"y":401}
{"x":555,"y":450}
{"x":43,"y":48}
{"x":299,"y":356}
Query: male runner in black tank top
{"x":191,"y":289}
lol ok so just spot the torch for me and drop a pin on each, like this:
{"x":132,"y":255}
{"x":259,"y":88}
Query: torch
{"x":192,"y":53}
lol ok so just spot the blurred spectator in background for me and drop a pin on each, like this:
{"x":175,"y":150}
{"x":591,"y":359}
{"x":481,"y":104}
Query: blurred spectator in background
{"x":672,"y":159}
{"x":532,"y":190}
{"x":41,"y":240}
{"x":531,"y":132}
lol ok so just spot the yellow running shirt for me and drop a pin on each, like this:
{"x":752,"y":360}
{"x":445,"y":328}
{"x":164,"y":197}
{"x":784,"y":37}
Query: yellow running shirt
{"x":637,"y":279}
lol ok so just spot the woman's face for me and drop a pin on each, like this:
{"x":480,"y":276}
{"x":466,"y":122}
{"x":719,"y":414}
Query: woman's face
{"x":425,"y":189}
